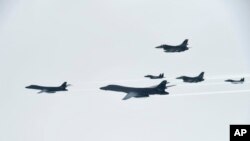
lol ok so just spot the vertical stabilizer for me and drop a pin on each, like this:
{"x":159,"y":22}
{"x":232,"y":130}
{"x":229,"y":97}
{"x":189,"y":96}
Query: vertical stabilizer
{"x":64,"y":85}
{"x":201,"y":75}
{"x":185,"y":42}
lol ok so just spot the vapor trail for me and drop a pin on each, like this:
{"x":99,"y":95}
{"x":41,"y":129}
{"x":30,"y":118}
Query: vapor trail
{"x":213,"y":92}
{"x":171,"y":79}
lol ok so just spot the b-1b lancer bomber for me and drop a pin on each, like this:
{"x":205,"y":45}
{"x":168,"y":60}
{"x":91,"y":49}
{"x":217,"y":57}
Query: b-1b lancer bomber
{"x":155,"y":77}
{"x":196,"y":79}
{"x":139,"y":92}
{"x":178,"y":48}
{"x":49,"y":89}
{"x":236,"y":81}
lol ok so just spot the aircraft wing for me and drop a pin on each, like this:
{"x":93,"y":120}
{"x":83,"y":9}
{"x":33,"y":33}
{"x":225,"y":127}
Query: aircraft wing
{"x":46,"y":91}
{"x":134,"y":94}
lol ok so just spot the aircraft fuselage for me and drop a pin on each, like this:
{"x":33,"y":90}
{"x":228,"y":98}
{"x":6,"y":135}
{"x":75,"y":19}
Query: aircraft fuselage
{"x":146,"y":91}
{"x":191,"y":79}
{"x":46,"y":89}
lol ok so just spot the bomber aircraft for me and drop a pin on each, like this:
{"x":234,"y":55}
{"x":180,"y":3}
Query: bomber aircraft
{"x":47,"y":89}
{"x":139,"y":92}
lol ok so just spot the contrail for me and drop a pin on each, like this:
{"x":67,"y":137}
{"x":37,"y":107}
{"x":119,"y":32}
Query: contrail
{"x":178,"y":94}
{"x":227,"y":76}
{"x":184,"y":84}
{"x":86,"y":90}
{"x":222,"y":78}
{"x":213,"y":92}
{"x":209,"y":83}
{"x":176,"y":82}
{"x":176,"y":85}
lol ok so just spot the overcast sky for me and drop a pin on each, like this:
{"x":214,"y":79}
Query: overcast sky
{"x":92,"y":43}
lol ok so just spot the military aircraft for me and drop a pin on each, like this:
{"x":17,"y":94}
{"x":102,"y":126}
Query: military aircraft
{"x":155,"y":77}
{"x":179,"y":48}
{"x":49,"y":89}
{"x":139,"y":92}
{"x":236,"y":81}
{"x":196,"y":79}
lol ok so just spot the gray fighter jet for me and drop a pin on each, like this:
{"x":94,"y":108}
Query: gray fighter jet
{"x":236,"y":81}
{"x":179,"y":48}
{"x":139,"y":92}
{"x":155,"y":77}
{"x":49,"y":89}
{"x":196,"y":79}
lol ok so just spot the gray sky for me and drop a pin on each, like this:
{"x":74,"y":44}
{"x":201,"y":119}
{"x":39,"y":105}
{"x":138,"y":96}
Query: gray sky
{"x":93,"y":43}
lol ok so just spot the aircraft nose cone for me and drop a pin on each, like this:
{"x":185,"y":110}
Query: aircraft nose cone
{"x":27,"y":87}
{"x":103,"y":88}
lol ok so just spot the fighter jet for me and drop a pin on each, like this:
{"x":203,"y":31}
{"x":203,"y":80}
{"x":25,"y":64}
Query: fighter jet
{"x":49,"y":89}
{"x":178,"y":48}
{"x":155,"y":77}
{"x":196,"y":79}
{"x":236,"y":81}
{"x":139,"y":92}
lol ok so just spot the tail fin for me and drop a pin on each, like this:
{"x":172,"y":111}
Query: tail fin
{"x":64,"y":85}
{"x":162,"y":85}
{"x":242,"y":79}
{"x":185,"y":42}
{"x":201,"y":75}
